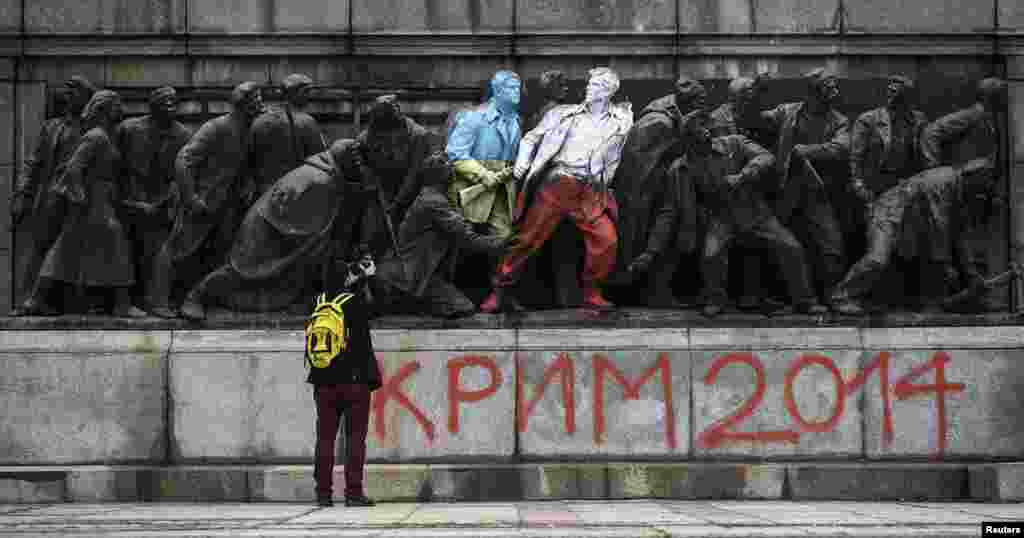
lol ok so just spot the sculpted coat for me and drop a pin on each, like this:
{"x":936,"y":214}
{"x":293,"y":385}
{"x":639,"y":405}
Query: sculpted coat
{"x":210,"y":165}
{"x":657,"y":211}
{"x":44,"y":212}
{"x":281,"y":140}
{"x":92,"y":249}
{"x":871,"y":148}
{"x":959,"y":137}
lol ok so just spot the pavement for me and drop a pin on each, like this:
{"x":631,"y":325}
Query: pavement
{"x":562,"y":519}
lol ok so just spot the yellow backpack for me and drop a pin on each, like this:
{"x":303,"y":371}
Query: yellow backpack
{"x":326,"y":333}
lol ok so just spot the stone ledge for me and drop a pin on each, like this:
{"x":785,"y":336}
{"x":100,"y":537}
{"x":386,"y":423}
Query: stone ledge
{"x":997,"y":482}
{"x":514,"y":482}
{"x":624,"y":318}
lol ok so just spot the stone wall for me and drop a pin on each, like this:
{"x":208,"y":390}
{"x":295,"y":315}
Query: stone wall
{"x":438,"y":52}
{"x":200,"y":397}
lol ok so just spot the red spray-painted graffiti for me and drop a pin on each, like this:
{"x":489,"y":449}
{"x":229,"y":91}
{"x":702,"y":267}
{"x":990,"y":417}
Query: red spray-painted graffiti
{"x":722,"y":431}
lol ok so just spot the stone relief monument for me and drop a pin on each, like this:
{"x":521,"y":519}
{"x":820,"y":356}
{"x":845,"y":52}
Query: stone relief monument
{"x":265,"y":210}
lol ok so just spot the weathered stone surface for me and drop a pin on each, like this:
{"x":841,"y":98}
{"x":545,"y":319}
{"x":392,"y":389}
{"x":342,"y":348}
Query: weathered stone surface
{"x":580,"y":15}
{"x":981,"y":408}
{"x":105,"y":16}
{"x":214,"y":71}
{"x":200,"y":484}
{"x":694,"y":481}
{"x":439,"y":340}
{"x":793,"y":16}
{"x":893,"y":338}
{"x":82,"y":407}
{"x":1011,"y":17}
{"x":258,"y":403}
{"x":1016,"y":91}
{"x":775,"y":405}
{"x":7,"y":178}
{"x":724,"y":16}
{"x":549,"y":481}
{"x":150,"y":343}
{"x":936,"y":16}
{"x":645,"y":419}
{"x":854,"y":481}
{"x":238,"y":341}
{"x":667,"y":338}
{"x":1001,"y":482}
{"x":147,"y":71}
{"x":7,"y":134}
{"x":100,"y":483}
{"x":10,"y":16}
{"x":431,"y":15}
{"x":450,"y":428}
{"x":759,"y":338}
{"x":244,"y":16}
{"x":32,"y":485}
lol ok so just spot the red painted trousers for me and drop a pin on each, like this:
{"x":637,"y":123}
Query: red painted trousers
{"x":566,"y":197}
{"x":352,"y":400}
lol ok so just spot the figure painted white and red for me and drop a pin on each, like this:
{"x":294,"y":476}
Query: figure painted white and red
{"x":564,"y":166}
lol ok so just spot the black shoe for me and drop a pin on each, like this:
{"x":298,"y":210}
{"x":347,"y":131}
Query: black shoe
{"x":361,"y":500}
{"x":712,"y":310}
{"x":324,"y":502}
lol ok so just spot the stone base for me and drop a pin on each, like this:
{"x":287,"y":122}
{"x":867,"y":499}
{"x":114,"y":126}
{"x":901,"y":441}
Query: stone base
{"x":521,"y":482}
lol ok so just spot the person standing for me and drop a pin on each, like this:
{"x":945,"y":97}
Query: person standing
{"x":342,"y":387}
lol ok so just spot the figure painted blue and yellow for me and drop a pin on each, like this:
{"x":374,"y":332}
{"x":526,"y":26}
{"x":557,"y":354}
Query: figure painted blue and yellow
{"x":482,"y":146}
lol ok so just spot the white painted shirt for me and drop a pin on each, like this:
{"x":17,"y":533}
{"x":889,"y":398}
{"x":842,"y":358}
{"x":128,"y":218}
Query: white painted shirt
{"x":579,"y":154}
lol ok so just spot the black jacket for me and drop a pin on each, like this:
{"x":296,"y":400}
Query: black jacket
{"x":358,"y":363}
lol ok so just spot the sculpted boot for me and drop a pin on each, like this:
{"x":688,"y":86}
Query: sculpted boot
{"x":500,"y":300}
{"x":123,"y":307}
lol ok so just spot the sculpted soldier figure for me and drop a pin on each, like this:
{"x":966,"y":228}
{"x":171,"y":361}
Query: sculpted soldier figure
{"x":555,"y":89}
{"x":724,"y":171}
{"x":285,"y":238}
{"x":282,"y":137}
{"x":37,"y":213}
{"x":924,"y":216}
{"x":92,"y":249}
{"x":657,"y":220}
{"x":884,"y":143}
{"x":208,"y":170}
{"x":482,"y":147}
{"x":421,"y":271}
{"x":149,"y":145}
{"x":386,"y":156}
{"x":969,"y":133}
{"x":740,"y":114}
{"x":813,"y":147}
{"x":565,"y":164}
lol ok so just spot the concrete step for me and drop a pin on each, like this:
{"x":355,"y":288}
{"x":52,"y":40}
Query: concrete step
{"x":533,"y":519}
{"x":802,"y":481}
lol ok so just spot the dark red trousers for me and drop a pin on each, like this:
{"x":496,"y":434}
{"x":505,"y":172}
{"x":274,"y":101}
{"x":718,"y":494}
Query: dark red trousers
{"x":352,"y":400}
{"x":566,"y":198}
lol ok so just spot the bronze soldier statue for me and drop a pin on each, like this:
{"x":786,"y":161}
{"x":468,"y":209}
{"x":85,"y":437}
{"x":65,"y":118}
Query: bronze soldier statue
{"x":885,"y":142}
{"x":287,"y":239}
{"x":657,"y":215}
{"x":92,"y":250}
{"x":208,"y":171}
{"x":925,"y":216}
{"x":387,"y":157}
{"x":282,"y":138}
{"x":554,"y":88}
{"x":724,"y":170}
{"x":969,"y":133}
{"x":37,"y":213}
{"x":420,"y":272}
{"x":148,"y":146}
{"x":812,"y":150}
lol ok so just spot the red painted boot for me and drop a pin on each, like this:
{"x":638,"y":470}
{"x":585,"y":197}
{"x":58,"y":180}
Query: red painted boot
{"x":500,"y":301}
